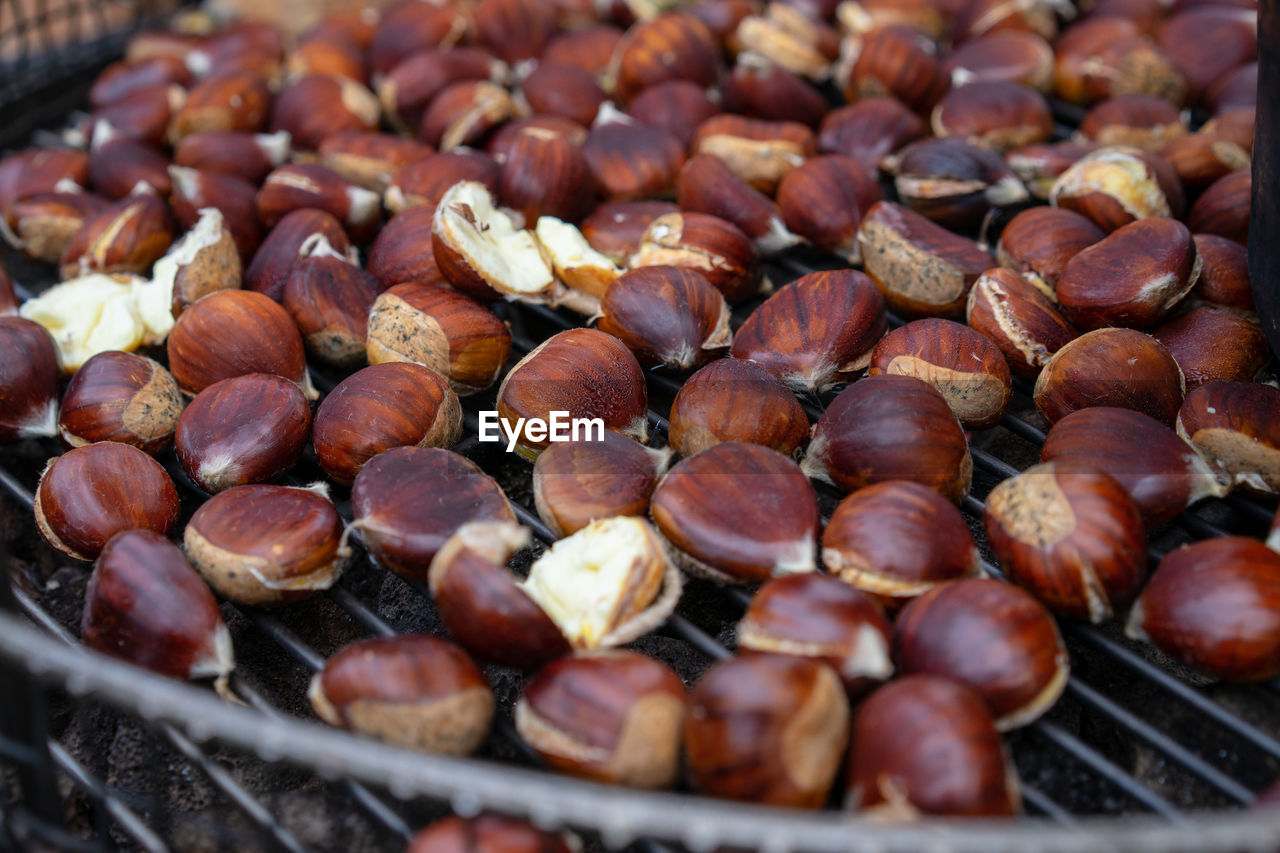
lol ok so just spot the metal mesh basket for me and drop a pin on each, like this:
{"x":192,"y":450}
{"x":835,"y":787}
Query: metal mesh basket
{"x":96,"y":754}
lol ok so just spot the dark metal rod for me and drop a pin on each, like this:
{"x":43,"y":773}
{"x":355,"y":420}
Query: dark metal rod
{"x":1159,"y":741}
{"x":1109,"y":771}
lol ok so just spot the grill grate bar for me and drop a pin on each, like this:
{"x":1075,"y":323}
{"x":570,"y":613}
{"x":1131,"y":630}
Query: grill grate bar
{"x":1159,"y":741}
{"x":1108,"y":770}
{"x":373,"y":805}
{"x":126,"y":818}
{"x":1180,"y":690}
{"x":221,"y":779}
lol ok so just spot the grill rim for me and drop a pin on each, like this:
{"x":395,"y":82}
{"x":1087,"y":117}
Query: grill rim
{"x":1175,"y":831}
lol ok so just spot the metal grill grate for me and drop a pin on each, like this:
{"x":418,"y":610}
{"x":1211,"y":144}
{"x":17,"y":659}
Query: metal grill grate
{"x":1092,"y":754}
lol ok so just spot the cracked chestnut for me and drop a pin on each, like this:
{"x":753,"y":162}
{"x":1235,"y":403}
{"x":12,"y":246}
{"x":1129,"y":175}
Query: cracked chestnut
{"x":603,"y":586}
{"x":1071,"y":536}
{"x":1235,"y":426}
{"x":966,"y":368}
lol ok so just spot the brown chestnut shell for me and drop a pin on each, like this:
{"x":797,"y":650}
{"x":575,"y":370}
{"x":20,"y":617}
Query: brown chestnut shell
{"x":409,"y":690}
{"x":89,"y":494}
{"x":379,"y":407}
{"x":1182,"y":608}
{"x":890,"y":428}
{"x":732,"y":399}
{"x":927,"y":745}
{"x":263,"y":545}
{"x":703,"y":505}
{"x":408,"y":500}
{"x":991,"y":636}
{"x":120,"y":396}
{"x":1071,"y":536}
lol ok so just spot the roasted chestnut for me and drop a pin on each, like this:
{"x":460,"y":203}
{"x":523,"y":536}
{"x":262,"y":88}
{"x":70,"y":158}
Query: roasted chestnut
{"x":714,"y":247}
{"x":890,"y":428}
{"x":923,"y":744}
{"x":383,"y":406}
{"x":1071,"y":535}
{"x":91,"y":493}
{"x":441,"y":329}
{"x":966,"y":368}
{"x":480,"y":252}
{"x":813,"y":615}
{"x":817,"y":331}
{"x":1215,"y":345}
{"x":409,"y":690}
{"x":584,"y":372}
{"x":1158,"y":470}
{"x":898,"y":539}
{"x":269,"y":270}
{"x":578,"y":482}
{"x":1114,"y":186}
{"x":1215,"y":605}
{"x":1020,"y":319}
{"x":119,"y":396}
{"x":234,"y":332}
{"x":705,"y":503}
{"x":823,"y":199}
{"x":1110,"y":367}
{"x":767,"y":729}
{"x":408,"y":500}
{"x":246,"y":429}
{"x":667,"y":316}
{"x":1039,"y":242}
{"x":262,"y":545}
{"x":600,"y":587}
{"x":612,"y":716}
{"x":736,"y":400}
{"x":145,"y":604}
{"x":921,"y":268}
{"x":28,"y":381}
{"x":991,"y":636}
{"x":1235,"y":426}
{"x":1135,"y":276}
{"x":329,"y":298}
